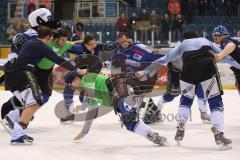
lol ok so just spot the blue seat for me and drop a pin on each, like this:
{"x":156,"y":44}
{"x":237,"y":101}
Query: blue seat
{"x":192,"y":26}
{"x":109,"y":32}
{"x":98,"y":27}
{"x":89,"y":28}
{"x":108,"y":27}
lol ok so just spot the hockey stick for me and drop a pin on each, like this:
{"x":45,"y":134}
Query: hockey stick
{"x":91,"y":115}
{"x":2,"y":78}
{"x":4,"y":126}
{"x":2,"y":122}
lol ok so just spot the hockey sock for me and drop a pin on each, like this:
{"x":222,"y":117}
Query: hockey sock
{"x":164,"y":99}
{"x":184,"y":110}
{"x":45,"y":98}
{"x":217,"y":116}
{"x":14,"y":115}
{"x":142,"y":129}
{"x":167,"y":98}
{"x":203,"y":105}
{"x":17,"y":131}
{"x":68,"y":97}
{"x":217,"y":120}
{"x":184,"y":113}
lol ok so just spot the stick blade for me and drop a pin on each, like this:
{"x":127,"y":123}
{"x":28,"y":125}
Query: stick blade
{"x":79,"y":137}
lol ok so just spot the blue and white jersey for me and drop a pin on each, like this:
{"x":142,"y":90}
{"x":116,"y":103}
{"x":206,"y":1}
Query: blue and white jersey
{"x":185,"y":47}
{"x":139,"y":56}
{"x":30,"y":34}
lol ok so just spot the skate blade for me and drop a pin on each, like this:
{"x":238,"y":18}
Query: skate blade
{"x":222,"y":147}
{"x":166,"y":144}
{"x":78,"y":138}
{"x":66,"y":123}
{"x":24,"y":143}
{"x":205,"y":121}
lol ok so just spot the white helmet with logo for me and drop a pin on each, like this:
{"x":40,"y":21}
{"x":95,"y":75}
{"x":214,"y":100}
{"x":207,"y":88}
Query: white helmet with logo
{"x":43,"y":16}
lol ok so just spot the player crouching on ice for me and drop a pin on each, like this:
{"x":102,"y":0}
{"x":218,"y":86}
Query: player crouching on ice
{"x":114,"y":92}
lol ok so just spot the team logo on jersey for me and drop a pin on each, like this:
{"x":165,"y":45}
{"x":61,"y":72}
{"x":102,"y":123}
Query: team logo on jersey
{"x":137,"y":56}
{"x":127,"y":107}
{"x":132,"y":63}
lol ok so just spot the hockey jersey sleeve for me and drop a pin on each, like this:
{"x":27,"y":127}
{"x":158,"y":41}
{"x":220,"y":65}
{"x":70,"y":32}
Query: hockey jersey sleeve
{"x":174,"y":53}
{"x":228,"y":59}
{"x":148,"y":54}
{"x":76,"y":49}
{"x":214,"y":47}
{"x":51,"y":55}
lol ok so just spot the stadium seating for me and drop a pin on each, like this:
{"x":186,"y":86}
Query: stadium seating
{"x":3,"y":20}
{"x":109,"y":30}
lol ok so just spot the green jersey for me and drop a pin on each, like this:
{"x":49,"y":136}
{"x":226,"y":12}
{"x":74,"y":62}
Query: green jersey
{"x":96,"y":84}
{"x":46,"y":63}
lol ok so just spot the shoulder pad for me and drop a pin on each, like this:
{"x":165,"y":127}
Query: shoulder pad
{"x":18,"y":40}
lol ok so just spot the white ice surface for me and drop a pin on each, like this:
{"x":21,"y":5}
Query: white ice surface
{"x":108,"y":141}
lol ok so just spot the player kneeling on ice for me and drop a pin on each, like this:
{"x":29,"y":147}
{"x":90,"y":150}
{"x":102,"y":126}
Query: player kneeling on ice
{"x":115,"y":92}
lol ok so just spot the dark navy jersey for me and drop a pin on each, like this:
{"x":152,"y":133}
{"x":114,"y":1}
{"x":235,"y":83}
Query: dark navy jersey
{"x":81,"y":49}
{"x":30,"y":34}
{"x":87,"y":59}
{"x":236,"y":53}
{"x":139,"y":56}
{"x":33,"y":51}
{"x":75,"y":37}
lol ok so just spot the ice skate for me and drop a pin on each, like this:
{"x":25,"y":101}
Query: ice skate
{"x":67,"y":120}
{"x":180,"y":134}
{"x":26,"y":140}
{"x":222,"y":142}
{"x":155,"y":138}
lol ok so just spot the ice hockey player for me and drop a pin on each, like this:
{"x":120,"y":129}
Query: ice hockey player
{"x":197,"y":56}
{"x":115,"y":91}
{"x":43,"y":17}
{"x":140,"y":56}
{"x":90,"y":60}
{"x":135,"y":57}
{"x":230,"y":45}
{"x":21,"y":81}
{"x":173,"y":90}
{"x":44,"y":68}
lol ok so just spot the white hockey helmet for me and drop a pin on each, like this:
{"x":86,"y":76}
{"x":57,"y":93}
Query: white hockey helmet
{"x":43,"y":16}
